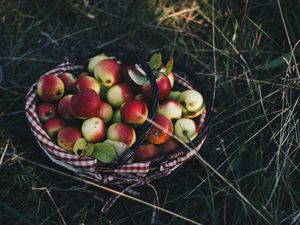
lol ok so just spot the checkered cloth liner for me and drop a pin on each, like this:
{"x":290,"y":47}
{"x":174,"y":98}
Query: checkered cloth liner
{"x":130,"y":175}
{"x":79,"y":164}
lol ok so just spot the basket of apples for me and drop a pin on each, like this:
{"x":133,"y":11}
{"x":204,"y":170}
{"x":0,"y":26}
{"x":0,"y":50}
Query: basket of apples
{"x":118,"y":118}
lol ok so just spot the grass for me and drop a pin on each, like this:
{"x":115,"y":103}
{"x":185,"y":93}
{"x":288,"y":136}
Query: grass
{"x":248,"y":170}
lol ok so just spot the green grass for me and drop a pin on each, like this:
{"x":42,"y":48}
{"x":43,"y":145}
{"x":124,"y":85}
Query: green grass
{"x":253,"y":141}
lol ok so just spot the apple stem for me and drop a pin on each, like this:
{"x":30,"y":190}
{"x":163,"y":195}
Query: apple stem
{"x":185,"y":132}
{"x":59,"y":93}
{"x":48,"y":114}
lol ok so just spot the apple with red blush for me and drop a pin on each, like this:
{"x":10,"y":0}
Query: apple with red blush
{"x":93,"y":61}
{"x":146,"y":152}
{"x":64,"y":107}
{"x":134,"y":112}
{"x":53,"y":126}
{"x":69,"y":80}
{"x":85,"y":104}
{"x":93,"y":129}
{"x":163,"y":88}
{"x":170,"y":76}
{"x":50,"y":88}
{"x":161,"y":130}
{"x":170,"y":108}
{"x":118,"y":94}
{"x":107,"y":72}
{"x":121,"y":132}
{"x":46,"y":111}
{"x":169,"y":146}
{"x":86,"y":82}
{"x":106,"y":112}
{"x":67,"y":137}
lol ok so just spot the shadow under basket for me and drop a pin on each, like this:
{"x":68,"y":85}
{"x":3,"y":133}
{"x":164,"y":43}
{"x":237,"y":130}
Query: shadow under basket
{"x":119,"y":173}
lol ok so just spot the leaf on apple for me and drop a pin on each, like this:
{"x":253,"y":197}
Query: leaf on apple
{"x":89,"y":150}
{"x":169,"y":66}
{"x":120,"y":147}
{"x":104,"y":152}
{"x":138,"y":79}
{"x":155,"y":61}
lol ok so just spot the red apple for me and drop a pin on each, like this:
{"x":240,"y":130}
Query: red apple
{"x":169,"y":146}
{"x":85,"y":104}
{"x":69,"y":80}
{"x":67,"y":137}
{"x":93,"y":129}
{"x":121,"y":132}
{"x":107,"y":72}
{"x":50,"y":88}
{"x":134,"y":112}
{"x":161,"y":130}
{"x":64,"y":107}
{"x":53,"y":126}
{"x":170,"y":76}
{"x":163,"y":88}
{"x":46,"y":111}
{"x":106,"y":112}
{"x":170,"y":108}
{"x":93,"y":61}
{"x":118,"y":94}
{"x":86,"y":82}
{"x":146,"y":152}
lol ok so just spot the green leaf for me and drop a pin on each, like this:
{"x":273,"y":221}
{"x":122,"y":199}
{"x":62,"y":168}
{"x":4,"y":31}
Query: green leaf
{"x":155,"y":61}
{"x":104,"y":152}
{"x":169,"y":66}
{"x":120,"y":147}
{"x":89,"y":150}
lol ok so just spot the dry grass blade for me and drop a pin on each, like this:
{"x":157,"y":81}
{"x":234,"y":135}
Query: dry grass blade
{"x":110,"y":190}
{"x":249,"y":48}
{"x":51,"y":198}
{"x":212,"y":169}
{"x":288,"y":37}
{"x":3,"y":153}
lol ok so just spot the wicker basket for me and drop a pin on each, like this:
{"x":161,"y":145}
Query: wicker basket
{"x":128,"y":175}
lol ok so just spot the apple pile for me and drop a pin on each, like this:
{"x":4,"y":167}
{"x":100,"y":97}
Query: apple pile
{"x":97,"y":113}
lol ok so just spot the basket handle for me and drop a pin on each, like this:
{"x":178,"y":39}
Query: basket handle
{"x":131,"y":56}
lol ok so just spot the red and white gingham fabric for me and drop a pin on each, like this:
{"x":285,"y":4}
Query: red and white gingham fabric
{"x":88,"y":166}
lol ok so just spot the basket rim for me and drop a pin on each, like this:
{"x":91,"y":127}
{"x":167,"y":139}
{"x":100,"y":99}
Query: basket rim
{"x":68,"y":67}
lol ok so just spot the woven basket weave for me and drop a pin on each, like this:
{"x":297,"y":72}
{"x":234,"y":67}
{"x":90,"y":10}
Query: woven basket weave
{"x":129,"y":175}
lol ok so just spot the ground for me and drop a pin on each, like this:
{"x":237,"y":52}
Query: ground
{"x":247,"y":172}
